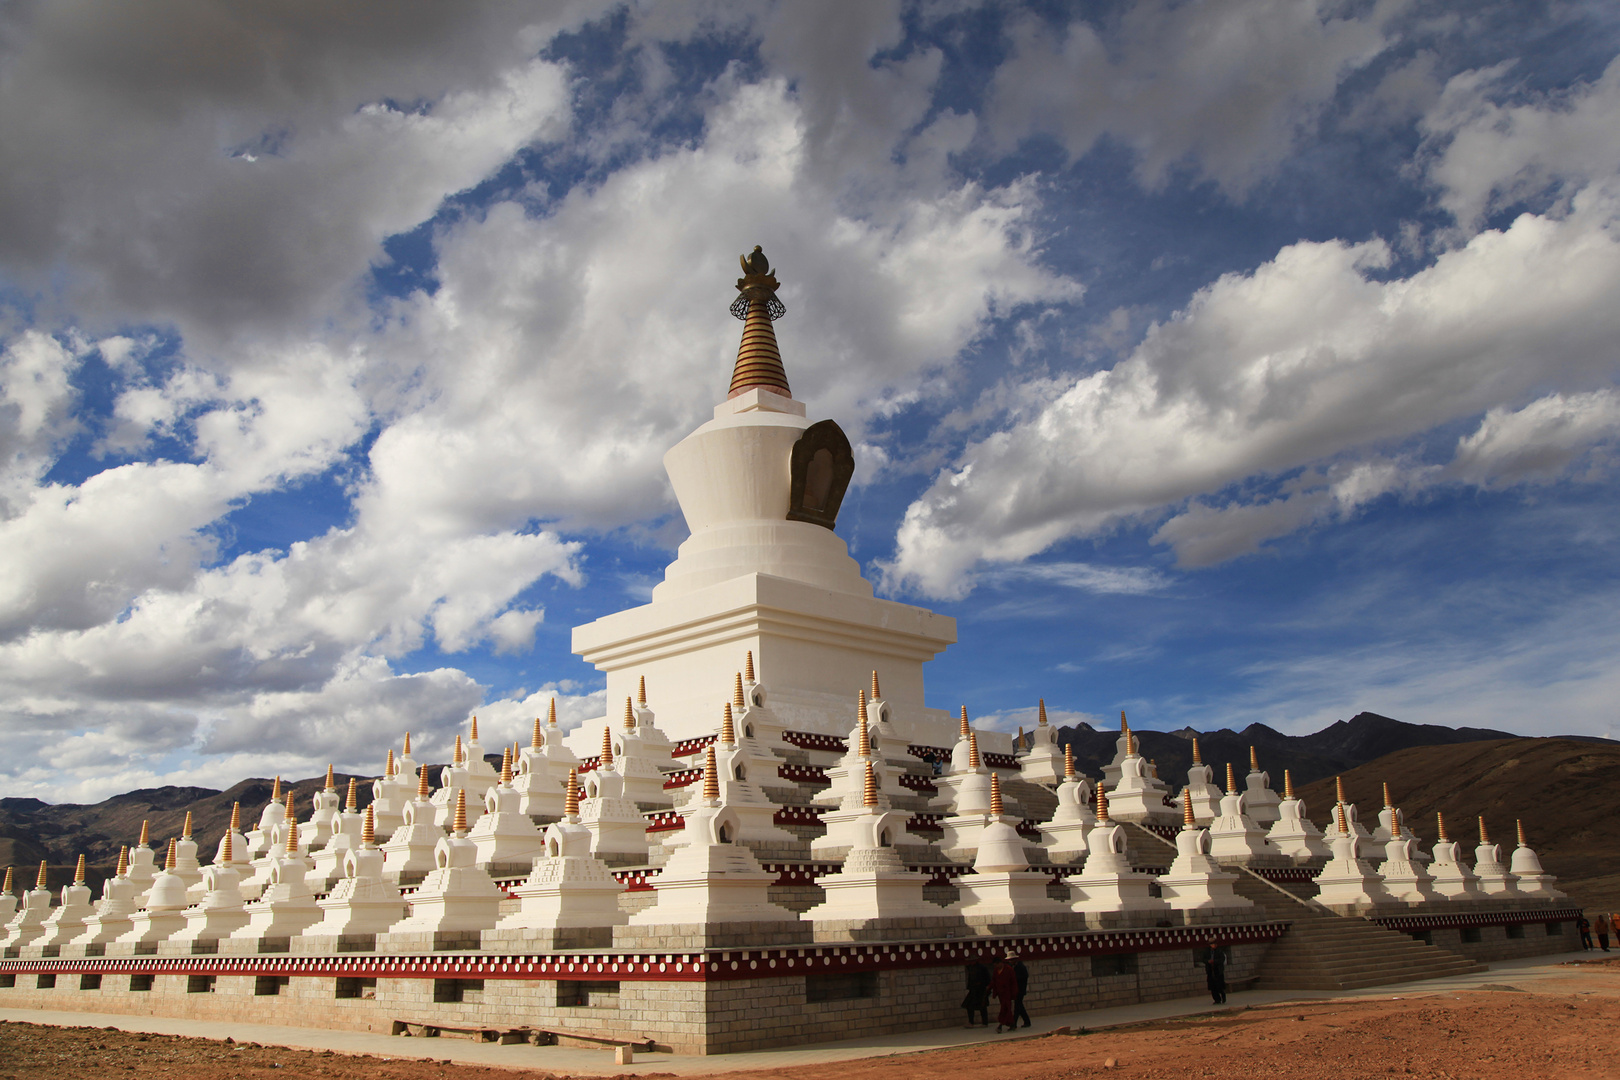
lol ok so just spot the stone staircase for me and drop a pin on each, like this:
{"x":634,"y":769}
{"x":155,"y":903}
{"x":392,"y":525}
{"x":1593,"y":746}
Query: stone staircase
{"x":1324,"y":951}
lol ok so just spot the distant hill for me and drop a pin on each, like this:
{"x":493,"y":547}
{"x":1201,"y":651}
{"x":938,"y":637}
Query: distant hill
{"x":1335,"y":749}
{"x":1565,"y":790}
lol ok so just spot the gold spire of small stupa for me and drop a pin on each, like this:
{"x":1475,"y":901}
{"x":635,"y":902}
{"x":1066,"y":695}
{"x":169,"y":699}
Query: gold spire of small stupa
{"x":1338,"y":784}
{"x":78,"y":871}
{"x":1344,"y":826}
{"x":506,"y":765}
{"x":474,"y":735}
{"x":1254,"y":762}
{"x":973,"y":749}
{"x":536,"y":740}
{"x":1102,"y":805}
{"x":146,"y":834}
{"x":368,"y":830}
{"x":459,"y":826}
{"x":996,"y":808}
{"x":39,"y":882}
{"x":292,"y":827}
{"x":388,"y":766}
{"x":1124,"y":724}
{"x":1198,"y":759}
{"x":1517,"y":822}
{"x":869,"y":792}
{"x":1231,"y":779}
{"x":9,"y":885}
{"x":407,"y":744}
{"x":275,"y":793}
{"x":1288,"y":785}
{"x":876,"y":693}
{"x":227,"y":851}
{"x":759,"y":362}
{"x":641,"y":692}
{"x":571,"y":795}
{"x":168,"y":864}
{"x":123,"y":867}
{"x":1387,"y":801}
{"x":711,"y":775}
{"x":457,"y":754}
{"x":185,"y":830}
{"x":352,"y":802}
{"x":728,"y":727}
{"x":966,"y":728}
{"x":1440,"y":826}
{"x":1040,"y":709}
{"x":748,"y":667}
{"x":607,"y":748}
{"x":737,"y":692}
{"x":629,"y":715}
{"x":1186,"y":812}
{"x":422,"y":786}
{"x":1484,"y":837}
{"x":1068,"y":761}
{"x":551,"y":714}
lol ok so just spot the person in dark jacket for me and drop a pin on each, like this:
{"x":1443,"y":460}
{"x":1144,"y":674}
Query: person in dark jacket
{"x":1213,"y":957}
{"x":1021,"y":973}
{"x":978,"y":993}
{"x":1004,"y":984}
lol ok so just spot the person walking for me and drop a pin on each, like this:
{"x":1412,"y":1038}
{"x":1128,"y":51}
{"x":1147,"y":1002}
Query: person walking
{"x":1021,"y":973}
{"x":978,"y":993}
{"x":1600,"y":926}
{"x":1213,"y":957}
{"x":1004,"y":984}
{"x":1585,"y":930}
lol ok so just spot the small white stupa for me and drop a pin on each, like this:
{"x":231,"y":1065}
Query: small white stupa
{"x":389,"y":794}
{"x":481,"y":775}
{"x":1109,"y":887}
{"x":711,"y":891}
{"x":287,"y":906}
{"x":737,"y":762}
{"x":1528,"y":875}
{"x":539,"y":794}
{"x":1351,"y":814}
{"x":186,"y":863}
{"x":1065,"y":835}
{"x":755,"y":719}
{"x":873,"y":895}
{"x":959,"y":760}
{"x":847,"y":825}
{"x":1201,"y":790}
{"x":1259,"y":801}
{"x":846,"y":779}
{"x":453,"y":778}
{"x":1139,"y":795}
{"x":326,"y":811}
{"x":1494,"y":878}
{"x":505,"y":837}
{"x":1195,"y":882}
{"x":162,"y":916}
{"x":111,"y":918}
{"x":361,"y":905}
{"x":1124,"y":747}
{"x":1042,"y":763}
{"x":570,"y":899}
{"x":1391,"y":826}
{"x":408,"y":855}
{"x":970,"y":804}
{"x":1346,"y":881}
{"x":1234,"y":835}
{"x":1002,"y":887}
{"x":618,"y":831}
{"x":761,"y":760}
{"x":235,"y":852}
{"x":1294,"y":834}
{"x":28,"y":923}
{"x":8,"y":899}
{"x":220,"y":913}
{"x":560,"y":757}
{"x":643,"y":779}
{"x":407,"y":770}
{"x":1452,"y":877}
{"x":261,"y":839}
{"x":456,"y":901}
{"x":1403,"y":876}
{"x":66,"y":921}
{"x":653,"y":743}
{"x":344,"y":838}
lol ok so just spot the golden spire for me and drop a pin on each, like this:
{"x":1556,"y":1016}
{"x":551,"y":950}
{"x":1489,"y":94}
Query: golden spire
{"x":1186,"y":812}
{"x":1522,"y":841}
{"x":711,"y":775}
{"x":292,"y":827}
{"x":1068,"y":761}
{"x":407,"y":744}
{"x":1387,"y":802}
{"x":876,"y":693}
{"x":1484,"y":837}
{"x":1041,"y":719}
{"x":1231,"y":780}
{"x":996,"y":808}
{"x":737,"y":692}
{"x":535,"y":740}
{"x":551,"y":715}
{"x":422,"y":784}
{"x":352,"y":803}
{"x":869,"y":792}
{"x":275,"y":794}
{"x":863,"y":737}
{"x":168,"y":864}
{"x":1254,"y":762}
{"x":1288,"y":785}
{"x":1102,"y":805}
{"x":506,"y":765}
{"x":759,"y":362}
{"x":459,"y":826}
{"x":388,"y":766}
{"x":1198,"y":759}
{"x":227,"y":854}
{"x":1338,"y":783}
{"x":368,"y":831}
{"x":146,"y":834}
{"x":728,"y":727}
{"x":966,"y":730}
{"x":607,"y":748}
{"x":973,"y":750}
{"x":1440,"y":826}
{"x":1124,"y":724}
{"x":475,"y":729}
{"x":331,"y":784}
{"x":9,"y":886}
{"x":78,"y":871}
{"x":123,"y":867}
{"x":39,"y":882}
{"x":641,"y":692}
{"x":1131,"y":744}
{"x":456,"y":755}
{"x":185,"y":830}
{"x":1018,"y":740}
{"x":860,"y":707}
{"x":748,"y":667}
{"x":629,"y":715}
{"x":571,"y":794}
{"x":1344,"y":827}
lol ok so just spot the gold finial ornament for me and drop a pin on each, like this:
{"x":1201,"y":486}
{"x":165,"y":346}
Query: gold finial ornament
{"x":1338,"y":784}
{"x":966,"y":729}
{"x":748,"y":667}
{"x":407,"y":744}
{"x":737,"y":692}
{"x":475,"y":729}
{"x":1231,"y":779}
{"x":459,"y":826}
{"x":78,"y":871}
{"x":422,"y":783}
{"x":1288,"y":785}
{"x":860,"y":707}
{"x":536,"y":740}
{"x":456,"y":755}
{"x":368,"y":831}
{"x":869,"y":792}
{"x":1186,"y":813}
{"x":9,"y":881}
{"x":876,"y":693}
{"x":1068,"y":761}
{"x":1018,"y":740}
{"x":996,"y":808}
{"x":1040,"y":719}
{"x":759,"y":361}
{"x":1124,"y":724}
{"x":641,"y":692}
{"x":168,"y":864}
{"x":1387,"y":802}
{"x":352,"y":803}
{"x":292,"y":827}
{"x":1522,"y":841}
{"x":1344,"y":827}
{"x":711,"y":775}
{"x":1198,"y":759}
{"x":39,"y":882}
{"x":973,"y":750}
{"x":1484,"y":837}
{"x":728,"y":727}
{"x":629,"y":715}
{"x":1254,"y":762}
{"x":1440,"y":827}
{"x":1102,"y":805}
{"x":607,"y":748}
{"x":331,"y":784}
{"x":863,"y":739}
{"x":227,"y":853}
{"x":551,"y":714}
{"x":185,"y":830}
{"x":388,"y":766}
{"x":275,"y":791}
{"x":506,"y":765}
{"x":146,"y":834}
{"x":571,"y":795}
{"x":123,"y":867}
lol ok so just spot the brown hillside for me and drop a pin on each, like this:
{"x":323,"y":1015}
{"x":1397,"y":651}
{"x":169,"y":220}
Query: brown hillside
{"x":1564,"y":790}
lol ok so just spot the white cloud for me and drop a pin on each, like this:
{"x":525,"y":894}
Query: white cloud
{"x":1537,"y":442}
{"x":1087,"y":577}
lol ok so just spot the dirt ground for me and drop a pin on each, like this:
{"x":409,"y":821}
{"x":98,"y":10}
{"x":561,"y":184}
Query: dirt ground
{"x":1565,"y":1028}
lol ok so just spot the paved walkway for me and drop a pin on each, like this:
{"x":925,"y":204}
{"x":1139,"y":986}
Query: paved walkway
{"x":1519,"y":974}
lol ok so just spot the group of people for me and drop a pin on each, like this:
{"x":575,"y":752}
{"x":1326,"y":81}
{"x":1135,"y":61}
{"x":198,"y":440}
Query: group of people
{"x":1602,"y":926}
{"x":1008,"y":982}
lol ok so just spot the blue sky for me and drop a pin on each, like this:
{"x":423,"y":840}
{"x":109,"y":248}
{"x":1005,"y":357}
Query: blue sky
{"x":1223,"y":362}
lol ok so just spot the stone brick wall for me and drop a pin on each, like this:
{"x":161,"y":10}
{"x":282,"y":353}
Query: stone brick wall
{"x":1488,"y":943}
